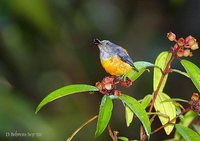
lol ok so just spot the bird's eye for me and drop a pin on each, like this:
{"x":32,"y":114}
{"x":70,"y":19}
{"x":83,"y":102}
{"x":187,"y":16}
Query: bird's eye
{"x":107,"y":43}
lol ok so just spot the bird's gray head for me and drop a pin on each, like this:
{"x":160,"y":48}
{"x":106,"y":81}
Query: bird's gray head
{"x":105,"y":46}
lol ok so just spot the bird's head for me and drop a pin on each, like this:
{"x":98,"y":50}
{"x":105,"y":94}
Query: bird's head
{"x":105,"y":45}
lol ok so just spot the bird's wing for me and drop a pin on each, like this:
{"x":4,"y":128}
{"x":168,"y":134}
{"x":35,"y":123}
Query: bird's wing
{"x":122,"y":53}
{"x":124,"y":56}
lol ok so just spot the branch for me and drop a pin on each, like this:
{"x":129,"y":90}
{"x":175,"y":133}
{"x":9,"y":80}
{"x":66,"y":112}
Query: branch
{"x":166,"y":70}
{"x":169,"y":122}
{"x":83,"y":125}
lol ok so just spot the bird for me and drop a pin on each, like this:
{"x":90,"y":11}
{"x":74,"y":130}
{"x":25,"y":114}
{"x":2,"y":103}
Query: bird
{"x":114,"y":59}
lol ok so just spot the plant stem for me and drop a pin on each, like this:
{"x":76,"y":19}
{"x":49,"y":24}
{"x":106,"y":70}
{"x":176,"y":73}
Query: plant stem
{"x":156,"y":130}
{"x":112,"y":134}
{"x":143,"y":136}
{"x":156,"y":92}
{"x":83,"y":125}
{"x":164,"y":73}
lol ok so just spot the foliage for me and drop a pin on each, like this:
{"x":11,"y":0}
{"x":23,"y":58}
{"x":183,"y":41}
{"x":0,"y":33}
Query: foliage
{"x":163,"y":107}
{"x":187,"y":133}
{"x":193,"y":72}
{"x":168,"y":109}
{"x":64,"y":91}
{"x":105,"y":113}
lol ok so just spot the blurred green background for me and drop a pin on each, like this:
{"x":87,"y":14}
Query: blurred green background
{"x":47,"y":44}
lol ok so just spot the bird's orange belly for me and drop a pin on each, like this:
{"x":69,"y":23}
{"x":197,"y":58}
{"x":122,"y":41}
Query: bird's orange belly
{"x":115,"y":66}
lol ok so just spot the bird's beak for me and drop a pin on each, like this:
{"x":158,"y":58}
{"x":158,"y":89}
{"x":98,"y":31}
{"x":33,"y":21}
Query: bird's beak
{"x":97,"y":41}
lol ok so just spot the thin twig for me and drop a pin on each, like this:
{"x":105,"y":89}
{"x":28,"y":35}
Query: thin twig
{"x":152,"y":118}
{"x":112,"y":134}
{"x":115,"y":134}
{"x":83,"y":125}
{"x":169,"y":122}
{"x":143,"y":136}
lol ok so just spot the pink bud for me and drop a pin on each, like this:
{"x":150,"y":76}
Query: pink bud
{"x":194,"y":46}
{"x":188,"y":39}
{"x":171,"y":36}
{"x":180,"y":53}
{"x":108,"y":86}
{"x":186,"y":53}
{"x":176,"y":46}
{"x":191,"y":42}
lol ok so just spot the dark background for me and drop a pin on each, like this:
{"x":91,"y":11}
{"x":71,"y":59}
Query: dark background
{"x":47,"y":44}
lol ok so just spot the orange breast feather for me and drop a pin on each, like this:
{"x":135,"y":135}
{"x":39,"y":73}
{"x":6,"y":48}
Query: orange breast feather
{"x":115,"y":66}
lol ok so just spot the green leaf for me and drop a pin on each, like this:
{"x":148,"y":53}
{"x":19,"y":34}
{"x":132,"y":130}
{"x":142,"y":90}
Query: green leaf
{"x":138,"y":110}
{"x":175,"y":99}
{"x":197,"y":128}
{"x":105,"y":113}
{"x":188,"y":118}
{"x":64,"y":91}
{"x":128,"y":115}
{"x":123,"y":138}
{"x":141,"y":66}
{"x":187,"y":133}
{"x":180,"y":72}
{"x":146,"y":100}
{"x":167,"y":108}
{"x":186,"y":121}
{"x":161,"y":62}
{"x":193,"y":71}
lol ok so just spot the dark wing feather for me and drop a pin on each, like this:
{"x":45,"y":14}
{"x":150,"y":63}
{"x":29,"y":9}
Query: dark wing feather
{"x":125,"y":57}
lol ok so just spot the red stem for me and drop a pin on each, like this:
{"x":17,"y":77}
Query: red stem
{"x":186,"y":110}
{"x":112,"y":134}
{"x":164,"y":73}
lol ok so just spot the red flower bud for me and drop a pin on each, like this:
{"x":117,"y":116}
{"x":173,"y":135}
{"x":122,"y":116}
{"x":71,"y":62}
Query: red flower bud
{"x":181,"y":42}
{"x":117,"y":93}
{"x":195,"y":102}
{"x":195,"y":97}
{"x":180,"y":53}
{"x":187,"y":39}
